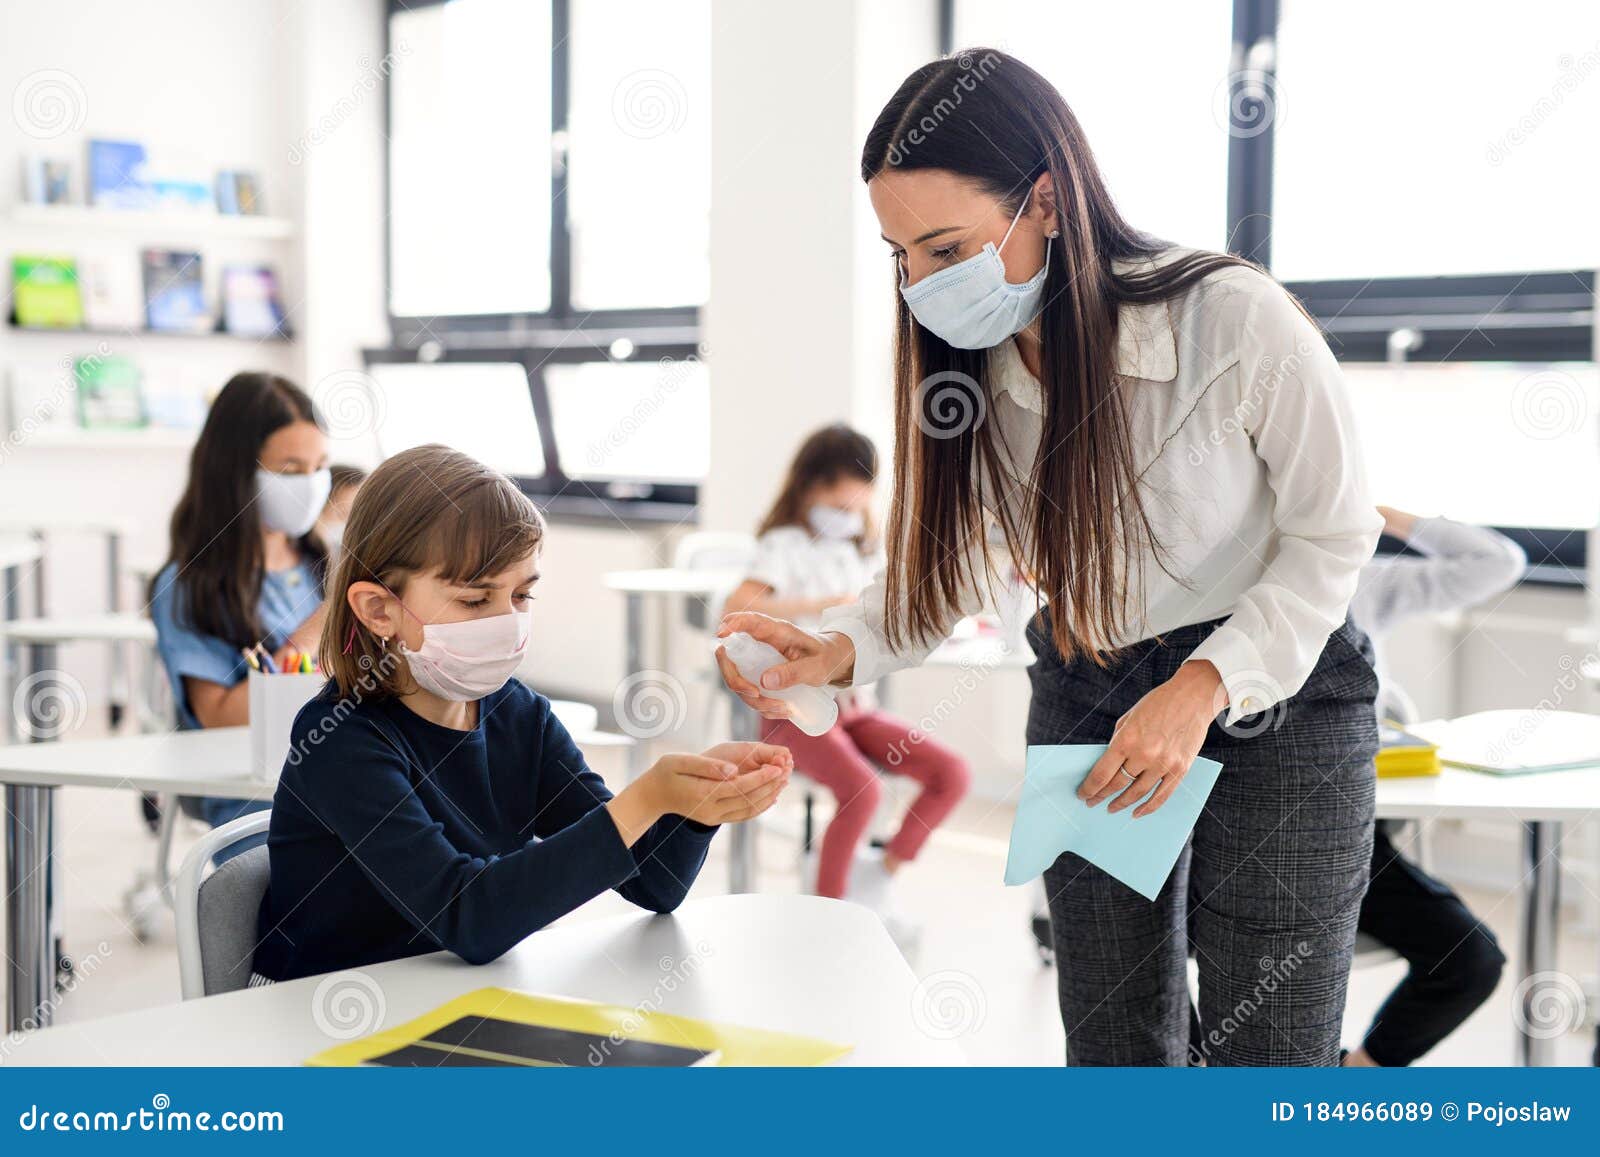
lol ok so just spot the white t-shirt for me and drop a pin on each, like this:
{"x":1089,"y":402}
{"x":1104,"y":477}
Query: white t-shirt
{"x":798,"y":565}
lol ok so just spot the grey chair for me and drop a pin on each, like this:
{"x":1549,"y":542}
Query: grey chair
{"x":216,"y":912}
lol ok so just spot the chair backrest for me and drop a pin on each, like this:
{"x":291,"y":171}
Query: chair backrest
{"x":711,"y":550}
{"x":216,"y":913}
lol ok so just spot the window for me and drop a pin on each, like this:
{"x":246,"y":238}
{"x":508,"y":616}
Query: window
{"x":632,"y":421}
{"x":626,"y":435}
{"x":1496,"y":444}
{"x":639,"y":154}
{"x":1147,"y":103}
{"x":1437,"y":145}
{"x":469,"y":116}
{"x":549,"y":229}
{"x":490,"y":415}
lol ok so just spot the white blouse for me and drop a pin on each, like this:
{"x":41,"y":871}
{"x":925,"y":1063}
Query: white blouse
{"x":1251,"y":478}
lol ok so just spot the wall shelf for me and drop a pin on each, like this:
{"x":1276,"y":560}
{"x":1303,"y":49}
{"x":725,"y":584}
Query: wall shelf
{"x":77,"y":438}
{"x":140,"y":334}
{"x":152,"y":223}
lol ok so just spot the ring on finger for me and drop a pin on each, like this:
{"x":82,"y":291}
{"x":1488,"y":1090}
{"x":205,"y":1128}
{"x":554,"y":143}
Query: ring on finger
{"x":1123,"y":770}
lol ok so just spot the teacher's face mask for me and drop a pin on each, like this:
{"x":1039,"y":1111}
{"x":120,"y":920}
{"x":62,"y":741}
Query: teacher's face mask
{"x":291,"y":502}
{"x":971,"y":305}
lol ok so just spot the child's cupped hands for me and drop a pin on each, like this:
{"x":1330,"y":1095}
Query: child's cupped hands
{"x":725,"y":784}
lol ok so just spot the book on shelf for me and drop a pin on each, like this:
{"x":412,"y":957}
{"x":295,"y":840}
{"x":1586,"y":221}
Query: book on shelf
{"x":112,"y":296}
{"x":39,"y":397}
{"x":181,"y":195}
{"x":119,"y":175}
{"x":46,"y":181}
{"x":45,"y":293}
{"x":174,"y":292}
{"x":239,"y":193}
{"x":110,"y":393}
{"x":251,"y":305}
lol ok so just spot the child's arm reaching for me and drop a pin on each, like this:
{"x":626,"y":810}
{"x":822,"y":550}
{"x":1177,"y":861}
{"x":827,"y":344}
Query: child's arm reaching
{"x":755,"y":595}
{"x":1461,"y":566}
{"x":477,"y":907}
{"x":668,"y":815}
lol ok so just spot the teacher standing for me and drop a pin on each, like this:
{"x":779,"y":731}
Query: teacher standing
{"x":1161,"y":440}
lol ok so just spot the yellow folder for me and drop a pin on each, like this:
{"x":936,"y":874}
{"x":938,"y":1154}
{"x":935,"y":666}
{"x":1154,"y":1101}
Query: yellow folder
{"x":500,"y":1027}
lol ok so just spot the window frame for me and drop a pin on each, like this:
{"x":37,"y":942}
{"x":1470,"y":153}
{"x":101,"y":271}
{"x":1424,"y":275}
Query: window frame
{"x":555,"y":491}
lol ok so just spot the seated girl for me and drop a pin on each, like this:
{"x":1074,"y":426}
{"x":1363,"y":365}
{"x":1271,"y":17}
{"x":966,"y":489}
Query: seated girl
{"x":429,"y":799}
{"x":817,"y":550}
{"x":246,"y":565}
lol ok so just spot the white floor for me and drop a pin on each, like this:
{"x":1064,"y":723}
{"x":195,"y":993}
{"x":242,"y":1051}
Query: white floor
{"x":975,"y":943}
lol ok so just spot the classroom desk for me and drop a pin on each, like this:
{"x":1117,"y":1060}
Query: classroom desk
{"x":41,"y":637}
{"x":214,"y":762}
{"x":1540,"y":803}
{"x":798,"y":964}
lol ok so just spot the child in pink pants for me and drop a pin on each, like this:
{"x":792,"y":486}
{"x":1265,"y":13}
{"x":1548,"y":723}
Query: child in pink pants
{"x":817,"y":549}
{"x":842,"y":760}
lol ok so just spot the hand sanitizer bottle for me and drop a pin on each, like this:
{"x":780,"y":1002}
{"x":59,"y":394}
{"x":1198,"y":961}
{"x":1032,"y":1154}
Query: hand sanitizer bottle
{"x":814,"y":709}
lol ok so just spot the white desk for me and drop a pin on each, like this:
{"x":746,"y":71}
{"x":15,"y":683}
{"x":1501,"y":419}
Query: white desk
{"x":118,"y":629}
{"x":798,"y":964}
{"x":1540,"y":803}
{"x":214,"y":762}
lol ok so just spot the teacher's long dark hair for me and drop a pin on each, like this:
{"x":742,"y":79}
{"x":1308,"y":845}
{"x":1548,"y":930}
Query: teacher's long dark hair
{"x":1083,"y":531}
{"x":216,"y":531}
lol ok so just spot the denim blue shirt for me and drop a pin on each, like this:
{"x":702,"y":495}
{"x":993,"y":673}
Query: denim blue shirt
{"x":288,"y":598}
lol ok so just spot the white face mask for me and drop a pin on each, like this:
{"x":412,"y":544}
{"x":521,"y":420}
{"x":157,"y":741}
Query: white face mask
{"x":468,"y":660}
{"x":971,"y":305}
{"x":290,"y":503}
{"x":831,"y":522}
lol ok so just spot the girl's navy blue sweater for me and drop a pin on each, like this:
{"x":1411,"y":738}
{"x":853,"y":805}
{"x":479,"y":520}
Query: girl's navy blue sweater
{"x":393,"y":836}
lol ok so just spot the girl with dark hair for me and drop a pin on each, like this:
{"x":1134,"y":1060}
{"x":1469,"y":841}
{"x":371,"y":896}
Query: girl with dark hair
{"x":818,"y":550}
{"x":246,"y":566}
{"x":1161,"y":440}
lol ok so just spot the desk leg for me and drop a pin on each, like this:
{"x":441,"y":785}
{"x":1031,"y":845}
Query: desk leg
{"x":742,"y":837}
{"x":1540,"y":928}
{"x":119,"y":697}
{"x":31,"y":966}
{"x":13,"y":611}
{"x":632,"y":664}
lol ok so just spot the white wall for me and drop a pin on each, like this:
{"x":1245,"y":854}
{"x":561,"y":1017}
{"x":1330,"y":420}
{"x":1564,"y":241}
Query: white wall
{"x":205,"y":85}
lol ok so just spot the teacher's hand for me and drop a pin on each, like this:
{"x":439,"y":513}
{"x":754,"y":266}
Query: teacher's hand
{"x":1156,"y":742}
{"x":814,"y":660}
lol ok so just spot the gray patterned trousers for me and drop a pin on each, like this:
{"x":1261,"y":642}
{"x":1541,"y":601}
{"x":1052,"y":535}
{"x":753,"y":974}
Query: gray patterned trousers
{"x":1266,"y":894}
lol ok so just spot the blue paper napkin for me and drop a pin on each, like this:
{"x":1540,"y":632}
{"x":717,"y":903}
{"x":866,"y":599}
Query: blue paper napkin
{"x":1051,"y":819}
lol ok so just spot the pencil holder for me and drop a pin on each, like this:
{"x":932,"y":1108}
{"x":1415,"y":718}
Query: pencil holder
{"x":274,"y":702}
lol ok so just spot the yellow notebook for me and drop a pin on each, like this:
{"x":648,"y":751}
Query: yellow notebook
{"x":497,"y":1027}
{"x":1402,"y":754}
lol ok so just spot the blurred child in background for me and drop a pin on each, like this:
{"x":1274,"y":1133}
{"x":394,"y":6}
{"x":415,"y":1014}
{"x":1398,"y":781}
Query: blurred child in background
{"x":1455,"y":961}
{"x":246,"y":567}
{"x":818,"y":548}
{"x":345,"y":481}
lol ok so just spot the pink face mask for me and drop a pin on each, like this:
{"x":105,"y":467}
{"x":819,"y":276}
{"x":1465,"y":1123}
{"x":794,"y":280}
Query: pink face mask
{"x":469,"y":659}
